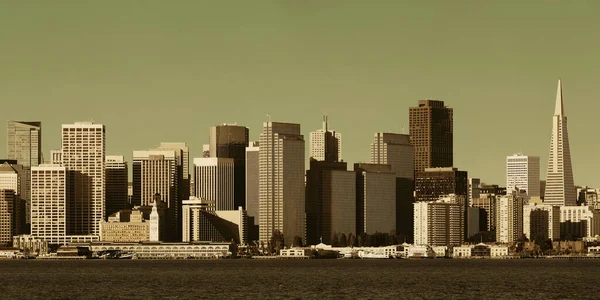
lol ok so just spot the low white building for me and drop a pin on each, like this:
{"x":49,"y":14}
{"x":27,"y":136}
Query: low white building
{"x":294,"y":252}
{"x":440,"y":251}
{"x":462,"y":251}
{"x":420,"y":251}
{"x":498,"y":251}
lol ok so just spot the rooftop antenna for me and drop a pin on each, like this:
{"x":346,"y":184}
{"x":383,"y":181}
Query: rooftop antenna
{"x":269,"y":116}
{"x":402,"y":129}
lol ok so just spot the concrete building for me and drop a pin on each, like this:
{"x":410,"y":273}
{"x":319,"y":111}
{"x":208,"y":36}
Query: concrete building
{"x":330,"y":201}
{"x":117,"y":177}
{"x":50,"y":189}
{"x":56,"y":157}
{"x":474,"y":191}
{"x":7,"y":216}
{"x":560,"y":187}
{"x":230,"y":141}
{"x":541,"y":222}
{"x":441,"y":222}
{"x":156,"y":173}
{"x":252,"y":181}
{"x":182,"y":150}
{"x":24,"y":141}
{"x":326,"y":144}
{"x":509,"y":218}
{"x":215,"y":180}
{"x":396,"y":150}
{"x":12,"y":179}
{"x":487,"y":202}
{"x":523,"y":173}
{"x":166,"y":250}
{"x":434,"y":183}
{"x":578,"y":222}
{"x":201,"y":224}
{"x":375,"y":198}
{"x":125,"y":226}
{"x":432,"y":135}
{"x":281,"y":185}
{"x":83,"y":151}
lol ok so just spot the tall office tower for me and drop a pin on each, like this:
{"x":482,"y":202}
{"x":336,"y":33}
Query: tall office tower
{"x":25,"y":143}
{"x":182,"y":150}
{"x":11,"y":179}
{"x":509,"y":218}
{"x":375,"y":198}
{"x":116,"y":184}
{"x":326,"y":144}
{"x":523,"y":173}
{"x":330,"y":201}
{"x":230,"y":141}
{"x":396,"y":150}
{"x":431,"y":133}
{"x":156,"y":174}
{"x":487,"y":202}
{"x":560,"y":187}
{"x":281,"y":181}
{"x":433,"y":183}
{"x":541,"y":222}
{"x":7,"y":216}
{"x":50,"y":192}
{"x":440,"y":222}
{"x":252,"y":181}
{"x":214,"y":178}
{"x":474,"y":192}
{"x":56,"y":157}
{"x":84,"y":148}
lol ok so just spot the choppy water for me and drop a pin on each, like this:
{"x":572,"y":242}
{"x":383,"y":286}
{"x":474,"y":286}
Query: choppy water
{"x":305,"y":279}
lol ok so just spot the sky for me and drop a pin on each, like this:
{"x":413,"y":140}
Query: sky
{"x":155,"y":71}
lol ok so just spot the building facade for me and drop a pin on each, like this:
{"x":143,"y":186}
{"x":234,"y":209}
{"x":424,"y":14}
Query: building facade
{"x":117,"y":177}
{"x":50,"y":191}
{"x":215,"y":181}
{"x":509,"y":218}
{"x":252,"y":182}
{"x":434,"y":183}
{"x":281,"y":181}
{"x":182,"y":150}
{"x":125,"y":226}
{"x":25,"y":143}
{"x":83,"y":151}
{"x":560,"y":187}
{"x":326,"y":144}
{"x":523,"y":173}
{"x":541,"y":222}
{"x":578,"y":222}
{"x":375,"y":198}
{"x":439,"y":223}
{"x":432,"y":135}
{"x":7,"y":216}
{"x":201,"y":224}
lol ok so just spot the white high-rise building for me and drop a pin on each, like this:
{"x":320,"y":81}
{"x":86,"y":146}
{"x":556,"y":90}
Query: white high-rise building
{"x":580,"y":214}
{"x":49,"y":202}
{"x":439,"y":223}
{"x":319,"y":145}
{"x":560,"y":187}
{"x":281,"y":185}
{"x":541,"y":222}
{"x":83,"y":151}
{"x":214,"y":181}
{"x":56,"y":157}
{"x":523,"y":173}
{"x":509,"y":218}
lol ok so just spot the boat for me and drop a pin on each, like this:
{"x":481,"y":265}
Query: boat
{"x":362,"y":254}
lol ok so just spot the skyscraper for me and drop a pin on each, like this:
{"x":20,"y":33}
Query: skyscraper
{"x":7,"y":216}
{"x":396,"y":150}
{"x":523,"y":173}
{"x":433,"y":183}
{"x":326,"y":144}
{"x":230,"y":141}
{"x":25,"y":142}
{"x":509,"y":218}
{"x":281,"y":186}
{"x":439,"y":222}
{"x":431,"y":134}
{"x":116,"y":184}
{"x":11,"y":179}
{"x":560,"y":187}
{"x":181,"y":149}
{"x":375,"y":198}
{"x":156,"y":174}
{"x":214,"y":179}
{"x":252,"y":181}
{"x":50,"y":191}
{"x":83,"y":148}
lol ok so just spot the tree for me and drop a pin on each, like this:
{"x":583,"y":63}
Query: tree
{"x":335,"y":239}
{"x":343,"y":240}
{"x":351,"y":240}
{"x":297,"y":241}
{"x":276,"y":242}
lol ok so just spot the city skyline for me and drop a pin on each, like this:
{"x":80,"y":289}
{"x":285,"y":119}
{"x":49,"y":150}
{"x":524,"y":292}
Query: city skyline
{"x":192,"y":69}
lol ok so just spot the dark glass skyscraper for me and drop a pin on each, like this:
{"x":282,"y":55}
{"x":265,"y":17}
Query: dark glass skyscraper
{"x":431,"y":134}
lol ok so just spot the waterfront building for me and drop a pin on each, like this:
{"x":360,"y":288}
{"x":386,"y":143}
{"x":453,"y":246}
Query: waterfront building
{"x":441,"y":222}
{"x":541,"y":222}
{"x":215,"y":180}
{"x":330,"y":201}
{"x":375,"y":198}
{"x":157,"y":174}
{"x":560,"y":187}
{"x":125,"y":226}
{"x":116,"y":184}
{"x":509,"y":218}
{"x":326,"y":144}
{"x":167,"y":250}
{"x":281,"y":185}
{"x":230,"y":141}
{"x":523,"y":173}
{"x":432,"y":135}
{"x":199,"y":223}
{"x":83,"y":151}
{"x":396,"y":150}
{"x":252,"y":181}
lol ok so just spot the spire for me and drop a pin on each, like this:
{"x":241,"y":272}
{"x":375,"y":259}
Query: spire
{"x":325,"y":123}
{"x":559,"y":110}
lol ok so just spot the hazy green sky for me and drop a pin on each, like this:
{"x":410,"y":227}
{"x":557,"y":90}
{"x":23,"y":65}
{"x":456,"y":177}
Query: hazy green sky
{"x":155,"y":71}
